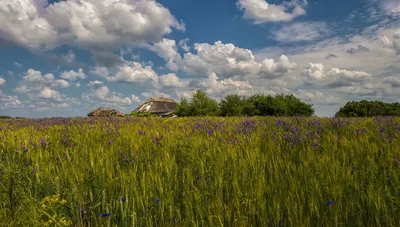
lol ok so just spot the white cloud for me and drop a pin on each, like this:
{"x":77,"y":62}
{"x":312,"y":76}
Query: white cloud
{"x":101,"y":92}
{"x":301,"y":31}
{"x":91,"y":24}
{"x":315,"y":72}
{"x":229,"y":61}
{"x":69,"y":57}
{"x":218,"y":88}
{"x":393,"y":81}
{"x":8,"y":101}
{"x":156,"y":93}
{"x":261,"y":11}
{"x":72,"y":75}
{"x":171,"y":80}
{"x":35,"y":81}
{"x":183,"y":44}
{"x":167,"y":49}
{"x":133,"y":73}
{"x":18,"y":64}
{"x":48,"y":93}
{"x":2,"y":81}
{"x":134,"y":98}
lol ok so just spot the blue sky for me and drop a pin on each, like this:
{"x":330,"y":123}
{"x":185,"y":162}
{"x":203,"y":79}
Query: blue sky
{"x":66,"y":58}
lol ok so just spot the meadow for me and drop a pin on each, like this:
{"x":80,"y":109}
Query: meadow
{"x":259,"y":171}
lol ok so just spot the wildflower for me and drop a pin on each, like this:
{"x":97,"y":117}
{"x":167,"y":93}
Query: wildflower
{"x":109,"y":142}
{"x":329,"y":202}
{"x":199,"y":176}
{"x":27,"y":164}
{"x":83,"y":212}
{"x":158,"y":201}
{"x":25,"y":150}
{"x":352,"y":171}
{"x":174,"y":219}
{"x":123,"y":199}
{"x":106,"y":214}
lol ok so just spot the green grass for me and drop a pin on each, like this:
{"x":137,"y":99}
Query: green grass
{"x":226,"y":172}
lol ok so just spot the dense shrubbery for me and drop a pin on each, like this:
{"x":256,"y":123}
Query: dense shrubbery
{"x":369,"y":109}
{"x":235,"y":105}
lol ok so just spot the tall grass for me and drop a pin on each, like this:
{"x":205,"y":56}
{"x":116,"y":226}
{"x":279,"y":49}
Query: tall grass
{"x":200,"y":172}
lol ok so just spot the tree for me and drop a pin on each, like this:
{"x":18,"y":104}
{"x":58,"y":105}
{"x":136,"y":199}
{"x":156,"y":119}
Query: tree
{"x":232,"y":105}
{"x":202,"y":105}
{"x":183,"y":108}
{"x":366,"y":108}
{"x":199,"y":105}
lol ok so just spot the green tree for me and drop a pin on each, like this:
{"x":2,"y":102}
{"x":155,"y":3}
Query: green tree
{"x":232,"y":105}
{"x":183,"y":108}
{"x":202,"y":105}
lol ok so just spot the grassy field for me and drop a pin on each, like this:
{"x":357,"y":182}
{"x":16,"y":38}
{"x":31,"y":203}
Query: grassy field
{"x":264,"y":171}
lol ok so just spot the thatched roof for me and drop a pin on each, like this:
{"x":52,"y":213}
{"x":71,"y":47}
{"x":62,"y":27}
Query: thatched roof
{"x":105,"y":112}
{"x":157,"y":105}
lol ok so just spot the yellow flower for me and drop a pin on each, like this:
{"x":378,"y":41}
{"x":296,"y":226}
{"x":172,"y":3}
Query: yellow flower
{"x":63,"y":202}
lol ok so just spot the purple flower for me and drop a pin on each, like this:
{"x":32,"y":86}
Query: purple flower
{"x":329,"y":203}
{"x":158,"y":201}
{"x":26,"y":150}
{"x":83,"y":212}
{"x":352,"y":171}
{"x":174,"y":219}
{"x":27,"y":164}
{"x":109,"y":142}
{"x":106,"y":215}
{"x":123,"y":199}
{"x":199,"y":176}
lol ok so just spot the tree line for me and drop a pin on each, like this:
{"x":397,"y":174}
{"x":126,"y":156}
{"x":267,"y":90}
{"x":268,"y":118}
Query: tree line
{"x":366,"y":108}
{"x":235,"y":105}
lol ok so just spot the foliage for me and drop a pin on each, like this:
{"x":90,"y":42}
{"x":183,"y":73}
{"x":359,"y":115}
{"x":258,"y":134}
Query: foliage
{"x":235,"y":105}
{"x":258,"y":171}
{"x":366,"y":108}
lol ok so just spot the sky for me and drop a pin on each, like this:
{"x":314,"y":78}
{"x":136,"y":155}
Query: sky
{"x":64,"y":58}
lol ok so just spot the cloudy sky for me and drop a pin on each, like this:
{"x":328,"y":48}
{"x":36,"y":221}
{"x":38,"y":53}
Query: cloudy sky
{"x":67,"y":57}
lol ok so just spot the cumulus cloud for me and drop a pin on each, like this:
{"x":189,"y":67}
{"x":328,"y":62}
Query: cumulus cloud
{"x":2,"y":81}
{"x":214,"y":86}
{"x":171,"y":80}
{"x":301,"y":31}
{"x":261,"y":11}
{"x":132,"y":72}
{"x":68,"y":57}
{"x":393,"y":81}
{"x":335,"y":77}
{"x":48,"y":93}
{"x":72,"y":75}
{"x":101,"y":92}
{"x":99,"y":26}
{"x":8,"y":101}
{"x":167,"y":49}
{"x":360,"y":48}
{"x":317,"y":97}
{"x":229,"y":61}
{"x":35,"y":81}
{"x":394,"y":43}
{"x":183,"y":44}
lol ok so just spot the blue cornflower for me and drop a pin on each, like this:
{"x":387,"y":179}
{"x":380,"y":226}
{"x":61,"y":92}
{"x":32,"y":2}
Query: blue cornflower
{"x":83,"y":212}
{"x":109,"y":142}
{"x":158,"y":201}
{"x":25,"y":150}
{"x":329,"y":202}
{"x":106,"y":215}
{"x":27,"y":164}
{"x":123,"y":199}
{"x":352,"y":171}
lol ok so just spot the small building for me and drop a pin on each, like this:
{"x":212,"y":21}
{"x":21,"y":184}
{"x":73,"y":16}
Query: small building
{"x":105,"y":112}
{"x":157,"y":105}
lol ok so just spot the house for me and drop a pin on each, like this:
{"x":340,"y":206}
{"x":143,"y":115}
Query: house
{"x":157,"y":105}
{"x":105,"y":112}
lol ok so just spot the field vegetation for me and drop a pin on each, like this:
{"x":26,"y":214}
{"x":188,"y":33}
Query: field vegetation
{"x":205,"y":171}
